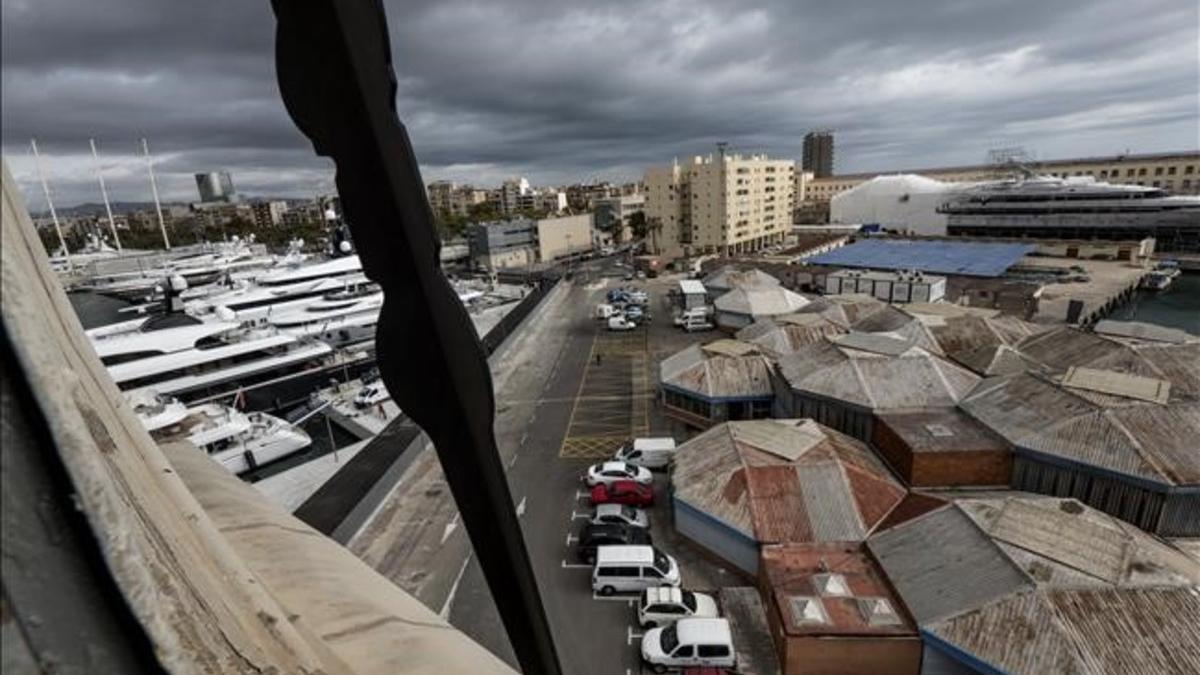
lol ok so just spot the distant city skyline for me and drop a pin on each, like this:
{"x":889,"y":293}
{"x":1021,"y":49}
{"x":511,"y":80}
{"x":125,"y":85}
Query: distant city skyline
{"x":575,"y":93}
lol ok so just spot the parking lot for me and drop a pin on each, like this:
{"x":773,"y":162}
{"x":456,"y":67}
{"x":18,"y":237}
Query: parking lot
{"x":580,"y":412}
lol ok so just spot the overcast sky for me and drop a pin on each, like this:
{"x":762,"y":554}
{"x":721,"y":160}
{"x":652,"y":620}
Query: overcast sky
{"x":562,"y":91}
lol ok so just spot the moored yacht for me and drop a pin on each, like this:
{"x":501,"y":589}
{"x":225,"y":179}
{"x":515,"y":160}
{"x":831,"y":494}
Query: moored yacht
{"x":207,"y":360}
{"x":237,"y":440}
{"x":342,"y":317}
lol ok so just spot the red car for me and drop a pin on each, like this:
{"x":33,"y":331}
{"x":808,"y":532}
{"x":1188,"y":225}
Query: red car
{"x":623,"y":492}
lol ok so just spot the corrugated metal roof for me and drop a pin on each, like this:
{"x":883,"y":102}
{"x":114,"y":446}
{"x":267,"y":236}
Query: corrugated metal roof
{"x":835,"y":488}
{"x":1086,"y":631}
{"x":1061,"y":542}
{"x":912,"y":381}
{"x":875,"y":343}
{"x":1138,"y":330}
{"x":769,"y":301}
{"x":727,"y":347}
{"x":691,"y":287}
{"x":715,"y":375}
{"x":832,"y":512}
{"x":729,"y":278}
{"x":943,"y":564}
{"x":1144,"y":440}
{"x":1119,"y":384}
{"x":785,"y":334}
{"x":945,"y":257}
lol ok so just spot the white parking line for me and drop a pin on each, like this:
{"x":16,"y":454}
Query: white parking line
{"x":512,"y":461}
{"x":445,"y":613}
{"x":630,"y":636}
{"x":571,"y":539}
{"x":580,"y":495}
{"x":578,"y":516}
{"x":573,"y":566}
{"x":450,"y":527}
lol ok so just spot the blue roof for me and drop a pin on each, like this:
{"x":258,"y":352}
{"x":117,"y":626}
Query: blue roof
{"x":974,"y":259}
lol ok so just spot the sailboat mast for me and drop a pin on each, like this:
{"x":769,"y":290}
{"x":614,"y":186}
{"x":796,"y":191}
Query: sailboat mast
{"x":112,"y":223}
{"x":37,"y":162}
{"x":154,"y":189}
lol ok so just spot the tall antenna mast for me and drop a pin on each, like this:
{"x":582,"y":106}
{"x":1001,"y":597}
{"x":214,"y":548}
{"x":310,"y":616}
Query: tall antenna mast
{"x":154,"y":189}
{"x":37,"y":162}
{"x":112,"y":224}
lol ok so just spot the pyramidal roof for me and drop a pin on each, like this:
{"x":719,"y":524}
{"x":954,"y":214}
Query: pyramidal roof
{"x":782,"y":481}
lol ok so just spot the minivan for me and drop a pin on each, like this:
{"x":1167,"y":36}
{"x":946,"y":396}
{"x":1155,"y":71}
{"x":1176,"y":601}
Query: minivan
{"x":690,"y":643}
{"x":595,"y":535}
{"x":651,"y":453}
{"x":631,"y":569}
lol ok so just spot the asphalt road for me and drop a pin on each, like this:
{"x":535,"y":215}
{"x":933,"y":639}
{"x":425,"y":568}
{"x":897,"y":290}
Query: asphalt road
{"x":584,"y":407}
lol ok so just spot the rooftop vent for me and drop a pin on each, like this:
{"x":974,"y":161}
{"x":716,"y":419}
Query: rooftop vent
{"x":939,"y":430}
{"x":878,"y":612}
{"x":831,"y":585}
{"x":807,"y":610}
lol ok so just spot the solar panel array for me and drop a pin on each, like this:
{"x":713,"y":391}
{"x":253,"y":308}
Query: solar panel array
{"x":976,"y":259}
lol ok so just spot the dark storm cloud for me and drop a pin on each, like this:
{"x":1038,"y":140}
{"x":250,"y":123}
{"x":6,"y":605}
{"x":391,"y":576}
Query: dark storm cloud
{"x":562,"y":91}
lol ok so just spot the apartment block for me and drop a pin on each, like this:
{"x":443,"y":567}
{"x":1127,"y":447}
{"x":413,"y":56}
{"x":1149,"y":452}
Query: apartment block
{"x":722,"y":203}
{"x":1176,"y":172}
{"x":453,"y":199}
{"x":268,"y":214}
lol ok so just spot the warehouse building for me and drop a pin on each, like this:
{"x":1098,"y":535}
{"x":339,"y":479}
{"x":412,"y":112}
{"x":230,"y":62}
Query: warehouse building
{"x":982,"y":340}
{"x":741,"y":485}
{"x":831,"y":610}
{"x":845,"y":381}
{"x":942,"y":448}
{"x":1123,"y":443}
{"x":728,"y":278}
{"x":1028,"y":584}
{"x":743,"y":306}
{"x":787,"y":333}
{"x":712,"y":383}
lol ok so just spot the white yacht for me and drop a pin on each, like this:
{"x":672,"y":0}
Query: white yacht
{"x":208,"y":360}
{"x":238,"y":441}
{"x":156,"y":412}
{"x":281,"y":291}
{"x":242,"y":441}
{"x":340,"y":318}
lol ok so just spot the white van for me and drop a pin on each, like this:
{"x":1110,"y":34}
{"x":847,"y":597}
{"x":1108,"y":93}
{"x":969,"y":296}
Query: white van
{"x":631,"y":569}
{"x":605,"y":310}
{"x":690,"y":643}
{"x":652,"y":453}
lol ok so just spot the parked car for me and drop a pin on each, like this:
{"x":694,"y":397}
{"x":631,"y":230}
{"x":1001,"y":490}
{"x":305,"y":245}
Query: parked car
{"x":694,"y":324}
{"x":609,"y":472}
{"x":623,"y":492}
{"x":652,"y":453}
{"x":664,"y":605}
{"x":605,"y":311}
{"x":689,"y":642}
{"x":621,"y":514}
{"x":594,"y":536}
{"x":639,"y":296}
{"x":620,"y":323}
{"x":630,"y":569}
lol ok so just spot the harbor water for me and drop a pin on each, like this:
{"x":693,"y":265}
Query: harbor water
{"x":1177,"y":307}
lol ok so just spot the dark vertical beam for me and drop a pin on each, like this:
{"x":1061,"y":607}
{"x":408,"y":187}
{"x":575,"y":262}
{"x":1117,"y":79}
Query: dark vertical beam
{"x":335,"y":74}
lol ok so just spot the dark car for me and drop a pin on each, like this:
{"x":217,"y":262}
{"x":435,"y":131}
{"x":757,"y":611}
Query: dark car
{"x":608,"y":534}
{"x":623,"y":492}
